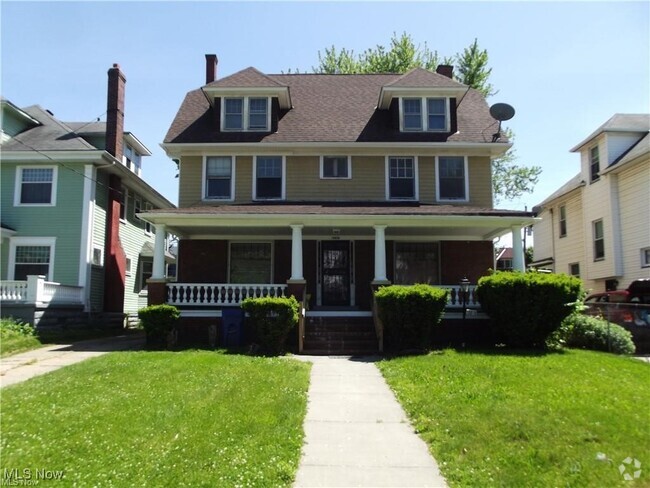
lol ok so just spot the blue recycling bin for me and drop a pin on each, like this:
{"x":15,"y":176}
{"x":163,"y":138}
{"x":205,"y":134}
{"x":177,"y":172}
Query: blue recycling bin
{"x":232,"y":322}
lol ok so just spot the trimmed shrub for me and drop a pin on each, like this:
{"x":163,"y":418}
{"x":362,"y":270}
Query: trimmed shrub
{"x":526,"y":308}
{"x":159,"y":322}
{"x":409,"y":314}
{"x":272,"y":319}
{"x":584,"y":332}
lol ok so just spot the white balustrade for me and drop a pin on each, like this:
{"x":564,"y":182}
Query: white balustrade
{"x":36,"y":290}
{"x":455,"y":297}
{"x":219,"y":294}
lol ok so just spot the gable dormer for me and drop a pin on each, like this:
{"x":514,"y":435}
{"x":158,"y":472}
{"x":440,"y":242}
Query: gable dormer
{"x":14,"y":121}
{"x":247,"y":101}
{"x":421,"y":101}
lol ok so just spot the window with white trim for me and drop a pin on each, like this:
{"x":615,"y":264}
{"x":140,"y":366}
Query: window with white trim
{"x":335,"y":167}
{"x":148,"y":227}
{"x":563,"y":221}
{"x":98,"y":256}
{"x":599,"y":239}
{"x":32,"y":260}
{"x":219,"y":181}
{"x":645,"y":257}
{"x":269,"y":178}
{"x":574,"y":269}
{"x":428,"y":114}
{"x":251,"y":262}
{"x":401,"y":178}
{"x":36,"y":185}
{"x":451,"y":178}
{"x":146,"y":270}
{"x":246,"y":114}
{"x":137,"y":207}
{"x":594,"y":164}
{"x":128,"y":267}
{"x":124,"y":198}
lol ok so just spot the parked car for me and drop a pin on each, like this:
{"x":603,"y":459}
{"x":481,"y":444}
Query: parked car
{"x":630,"y":306}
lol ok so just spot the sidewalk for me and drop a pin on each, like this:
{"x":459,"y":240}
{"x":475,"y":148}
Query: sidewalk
{"x":26,"y":365}
{"x":356,"y":433}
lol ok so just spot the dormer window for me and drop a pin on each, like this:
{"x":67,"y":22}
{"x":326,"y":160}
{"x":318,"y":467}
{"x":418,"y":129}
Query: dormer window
{"x":424,"y":114}
{"x":246,"y":114}
{"x":594,"y":164}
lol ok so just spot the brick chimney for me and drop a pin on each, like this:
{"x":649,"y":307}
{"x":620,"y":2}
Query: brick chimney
{"x":115,"y":112}
{"x":445,"y":70}
{"x":211,"y":62}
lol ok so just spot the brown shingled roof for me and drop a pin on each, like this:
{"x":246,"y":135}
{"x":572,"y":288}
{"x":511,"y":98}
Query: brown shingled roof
{"x":249,"y":77}
{"x":332,"y":108}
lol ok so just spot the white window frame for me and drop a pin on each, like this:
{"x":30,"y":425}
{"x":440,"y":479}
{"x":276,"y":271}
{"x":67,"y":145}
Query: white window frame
{"x":137,"y":207}
{"x":245,"y":115}
{"x":18,"y":189}
{"x":101,"y":256}
{"x":125,"y":193}
{"x":424,"y":114}
{"x":204,"y":179}
{"x":416,"y":183}
{"x":594,"y":239}
{"x":645,"y":257}
{"x":322,"y":168}
{"x":562,"y":219}
{"x":283,"y":196}
{"x":466,"y":172}
{"x":128,"y":265}
{"x":272,"y":243}
{"x":148,"y":227}
{"x":30,"y":241}
{"x":592,"y":178}
{"x":141,"y":283}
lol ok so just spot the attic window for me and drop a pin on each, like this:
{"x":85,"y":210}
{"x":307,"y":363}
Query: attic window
{"x":246,"y":114}
{"x":594,"y":164}
{"x":424,"y":114}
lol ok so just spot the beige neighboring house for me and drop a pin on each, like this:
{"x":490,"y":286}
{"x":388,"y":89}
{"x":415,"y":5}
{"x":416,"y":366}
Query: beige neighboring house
{"x":597,"y":225}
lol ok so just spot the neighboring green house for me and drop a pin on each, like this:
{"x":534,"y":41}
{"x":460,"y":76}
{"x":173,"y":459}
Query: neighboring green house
{"x":70,"y":194}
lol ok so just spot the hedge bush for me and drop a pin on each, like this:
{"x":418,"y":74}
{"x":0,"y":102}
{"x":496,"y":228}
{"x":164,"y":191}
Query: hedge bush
{"x":159,"y":322}
{"x":409,"y":314}
{"x":584,"y":332}
{"x":272,"y":319}
{"x":526,"y":308}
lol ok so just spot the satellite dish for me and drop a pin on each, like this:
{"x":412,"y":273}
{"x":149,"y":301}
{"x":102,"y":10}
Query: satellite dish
{"x":502,"y":111}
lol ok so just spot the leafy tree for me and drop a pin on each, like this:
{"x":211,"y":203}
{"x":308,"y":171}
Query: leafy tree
{"x":509,"y":180}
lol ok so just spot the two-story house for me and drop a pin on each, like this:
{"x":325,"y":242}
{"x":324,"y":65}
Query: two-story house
{"x":71,"y":193}
{"x":597,"y":225}
{"x":327,"y":186}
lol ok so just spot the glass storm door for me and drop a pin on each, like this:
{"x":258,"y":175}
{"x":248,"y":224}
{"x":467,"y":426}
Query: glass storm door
{"x":335,"y":269}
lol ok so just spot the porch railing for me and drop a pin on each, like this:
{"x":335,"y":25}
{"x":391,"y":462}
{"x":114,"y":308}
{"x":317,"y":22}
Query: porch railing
{"x":35,"y":290}
{"x":455,"y":297}
{"x":219,"y":294}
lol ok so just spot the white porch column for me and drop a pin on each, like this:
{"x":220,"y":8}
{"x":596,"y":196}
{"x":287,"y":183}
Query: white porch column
{"x":380,"y":254}
{"x":296,"y":253}
{"x":158,"y":271}
{"x":518,"y":263}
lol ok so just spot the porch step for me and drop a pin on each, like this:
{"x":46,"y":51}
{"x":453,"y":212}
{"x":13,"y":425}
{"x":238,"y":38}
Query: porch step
{"x":340,"y":336}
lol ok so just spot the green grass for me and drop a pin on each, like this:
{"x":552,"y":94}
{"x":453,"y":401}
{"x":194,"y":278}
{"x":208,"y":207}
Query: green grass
{"x":528,"y":420}
{"x":13,"y":342}
{"x":192,"y":418}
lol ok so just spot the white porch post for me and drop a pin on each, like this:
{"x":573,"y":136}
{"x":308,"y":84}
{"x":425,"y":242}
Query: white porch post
{"x":380,"y":254}
{"x":518,"y":263}
{"x":158,"y":271}
{"x":296,"y":253}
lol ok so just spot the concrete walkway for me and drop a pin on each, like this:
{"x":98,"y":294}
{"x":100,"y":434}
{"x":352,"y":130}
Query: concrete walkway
{"x":356,"y":433}
{"x":21,"y":367}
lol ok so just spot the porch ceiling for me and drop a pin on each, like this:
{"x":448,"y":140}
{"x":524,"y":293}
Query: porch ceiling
{"x":462,"y":223}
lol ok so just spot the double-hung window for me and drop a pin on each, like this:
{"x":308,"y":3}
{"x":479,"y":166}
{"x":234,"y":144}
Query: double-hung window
{"x":452,"y":183}
{"x":269,"y":178}
{"x":563,"y":221}
{"x":335,"y":167}
{"x":594,"y":164}
{"x":36,"y":186}
{"x":31,"y":256}
{"x":246,"y":114}
{"x":599,"y":240}
{"x":219,"y":178}
{"x":402,"y":178}
{"x":424,"y":114}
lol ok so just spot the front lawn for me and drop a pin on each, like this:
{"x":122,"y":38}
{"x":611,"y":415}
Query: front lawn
{"x":193,"y":418}
{"x":563,"y":419}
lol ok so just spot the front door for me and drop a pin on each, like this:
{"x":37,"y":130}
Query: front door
{"x":335,"y":273}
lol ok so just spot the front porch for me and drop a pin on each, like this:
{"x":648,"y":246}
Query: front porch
{"x":330,"y":256}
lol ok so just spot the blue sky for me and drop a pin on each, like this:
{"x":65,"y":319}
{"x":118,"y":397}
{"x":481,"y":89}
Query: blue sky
{"x":566,"y":67}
